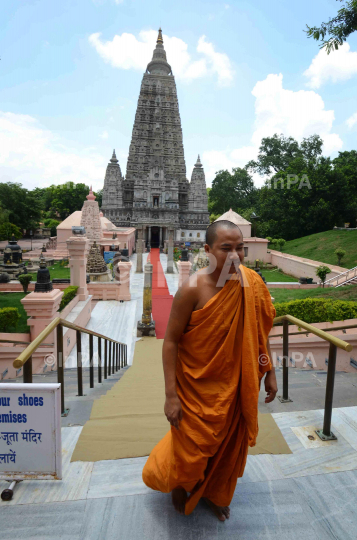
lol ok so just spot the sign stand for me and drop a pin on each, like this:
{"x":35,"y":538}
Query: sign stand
{"x":30,"y":434}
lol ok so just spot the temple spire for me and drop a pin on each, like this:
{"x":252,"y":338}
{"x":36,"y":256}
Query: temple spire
{"x":114,"y":158}
{"x":198,"y":162}
{"x":159,"y":37}
{"x":159,"y":64}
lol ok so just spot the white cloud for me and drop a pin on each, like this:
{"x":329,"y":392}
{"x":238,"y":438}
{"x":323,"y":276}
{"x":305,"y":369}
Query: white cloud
{"x":125,"y":51}
{"x":104,"y":135}
{"x":35,"y":157}
{"x":337,"y":66}
{"x":352,"y":120}
{"x":277,"y":110}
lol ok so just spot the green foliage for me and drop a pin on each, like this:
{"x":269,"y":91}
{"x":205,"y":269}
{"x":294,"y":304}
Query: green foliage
{"x":64,"y":199}
{"x":340,"y":254}
{"x":25,"y":279}
{"x":99,"y":195}
{"x":23,"y":205}
{"x":234,"y":191}
{"x":9,"y":317}
{"x":8,"y":229}
{"x":68,"y":294}
{"x":322,"y":272}
{"x":339,"y":28}
{"x":52,"y":224}
{"x":312,"y":310}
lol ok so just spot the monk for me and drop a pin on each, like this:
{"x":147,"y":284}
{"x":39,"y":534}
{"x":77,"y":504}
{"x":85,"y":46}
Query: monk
{"x":215,"y":354}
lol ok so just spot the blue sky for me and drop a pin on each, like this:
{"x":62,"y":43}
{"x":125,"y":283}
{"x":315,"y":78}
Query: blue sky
{"x":70,"y":76}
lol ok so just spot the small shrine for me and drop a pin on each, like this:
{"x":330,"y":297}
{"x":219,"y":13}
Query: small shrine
{"x":96,"y":267}
{"x":13,"y":264}
{"x":43,"y":283}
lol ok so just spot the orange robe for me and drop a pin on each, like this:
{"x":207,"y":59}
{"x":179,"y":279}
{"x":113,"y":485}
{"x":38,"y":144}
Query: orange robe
{"x":218,"y":375}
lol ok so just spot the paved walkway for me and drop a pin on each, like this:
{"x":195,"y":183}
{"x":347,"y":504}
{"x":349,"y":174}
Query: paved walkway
{"x":308,"y":494}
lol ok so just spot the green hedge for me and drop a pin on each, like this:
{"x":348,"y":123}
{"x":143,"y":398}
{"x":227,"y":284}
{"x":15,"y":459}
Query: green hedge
{"x":312,"y":310}
{"x":9,"y":317}
{"x":68,"y":294}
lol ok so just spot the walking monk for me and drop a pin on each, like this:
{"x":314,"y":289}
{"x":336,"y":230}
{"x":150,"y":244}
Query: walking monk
{"x":215,"y":353}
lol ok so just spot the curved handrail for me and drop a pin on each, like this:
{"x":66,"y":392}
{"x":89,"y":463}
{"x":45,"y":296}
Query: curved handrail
{"x":26,"y":353}
{"x":320,"y":333}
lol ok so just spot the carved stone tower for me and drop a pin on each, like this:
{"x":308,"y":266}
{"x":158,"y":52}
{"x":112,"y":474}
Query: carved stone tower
{"x":155,"y":191}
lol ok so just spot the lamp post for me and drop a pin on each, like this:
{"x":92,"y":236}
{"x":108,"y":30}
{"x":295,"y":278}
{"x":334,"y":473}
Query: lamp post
{"x":31,"y":237}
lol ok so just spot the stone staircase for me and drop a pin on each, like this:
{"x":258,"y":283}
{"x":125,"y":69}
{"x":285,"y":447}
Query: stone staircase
{"x":345,"y":278}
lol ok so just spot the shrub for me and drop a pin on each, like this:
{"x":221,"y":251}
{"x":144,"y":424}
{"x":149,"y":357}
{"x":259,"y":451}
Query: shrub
{"x":8,"y":229}
{"x":4,"y":277}
{"x":68,"y":294}
{"x":9,"y":317}
{"x":25,"y":279}
{"x":322,"y":272}
{"x":340,"y":253}
{"x":312,"y":310}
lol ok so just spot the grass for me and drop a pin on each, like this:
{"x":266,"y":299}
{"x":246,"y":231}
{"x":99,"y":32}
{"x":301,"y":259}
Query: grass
{"x":13,"y":300}
{"x":277,"y":275}
{"x":348,"y":292}
{"x":56,"y":271}
{"x":320,"y":247}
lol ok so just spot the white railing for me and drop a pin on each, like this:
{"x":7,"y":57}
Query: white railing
{"x":343,"y":278}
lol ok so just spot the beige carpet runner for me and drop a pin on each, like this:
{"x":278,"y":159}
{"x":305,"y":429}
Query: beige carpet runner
{"x":129,"y":420}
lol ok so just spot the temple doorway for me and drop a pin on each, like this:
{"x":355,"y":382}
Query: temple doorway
{"x":155,"y":237}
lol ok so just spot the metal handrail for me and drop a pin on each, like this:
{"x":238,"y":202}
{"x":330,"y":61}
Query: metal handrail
{"x":342,"y":274}
{"x":317,"y":331}
{"x":24,"y":342}
{"x":334,"y":329}
{"x":113,"y":362}
{"x":325,"y":433}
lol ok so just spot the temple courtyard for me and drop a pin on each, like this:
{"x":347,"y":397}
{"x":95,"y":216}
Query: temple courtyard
{"x":308,"y":493}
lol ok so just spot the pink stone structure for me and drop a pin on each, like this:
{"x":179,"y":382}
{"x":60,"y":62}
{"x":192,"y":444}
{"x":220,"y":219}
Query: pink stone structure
{"x":299,"y":266}
{"x":78,"y":248}
{"x":184,"y":268}
{"x":113,"y":290}
{"x":42,"y":308}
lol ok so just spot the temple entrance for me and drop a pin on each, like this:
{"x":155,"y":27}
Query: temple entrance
{"x":155,"y":237}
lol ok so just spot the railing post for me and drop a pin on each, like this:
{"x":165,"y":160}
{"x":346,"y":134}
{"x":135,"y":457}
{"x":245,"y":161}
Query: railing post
{"x":114,"y":357}
{"x":79,"y":362}
{"x":27,"y":371}
{"x":91,"y":366}
{"x":60,"y":367}
{"x":326,"y":434}
{"x":118,"y":358}
{"x":285,"y":397}
{"x":110,"y":359}
{"x":106,"y":359}
{"x":99,"y":360}
{"x":126,"y":354}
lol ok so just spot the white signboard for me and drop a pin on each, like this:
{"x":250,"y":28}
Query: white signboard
{"x":30,"y":431}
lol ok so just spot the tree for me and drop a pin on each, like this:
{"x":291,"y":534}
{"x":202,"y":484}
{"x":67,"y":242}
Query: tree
{"x":322,"y":272}
{"x":52,"y":224}
{"x":234,"y":191}
{"x":66,"y":199}
{"x":8,"y":229}
{"x":24,"y":208}
{"x":340,"y":253}
{"x":339,"y":28}
{"x":276,"y":153}
{"x":99,"y":195}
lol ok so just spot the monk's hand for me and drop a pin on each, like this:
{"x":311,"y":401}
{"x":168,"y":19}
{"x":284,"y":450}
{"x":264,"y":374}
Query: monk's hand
{"x":271,"y":386}
{"x":173,"y":410}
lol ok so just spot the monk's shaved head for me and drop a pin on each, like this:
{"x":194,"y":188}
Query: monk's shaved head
{"x":211,"y":231}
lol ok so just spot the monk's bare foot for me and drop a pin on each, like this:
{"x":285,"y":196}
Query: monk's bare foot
{"x":222,"y":512}
{"x":179,"y":498}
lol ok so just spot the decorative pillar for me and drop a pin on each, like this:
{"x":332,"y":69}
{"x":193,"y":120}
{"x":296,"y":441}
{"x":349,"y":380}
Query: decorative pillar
{"x":184,"y":268}
{"x":139,"y":252}
{"x":124,"y":279}
{"x":78,"y":248}
{"x":146,"y":327}
{"x":170,"y":253}
{"x":160,"y":237}
{"x":42,"y":305}
{"x":149,"y":235}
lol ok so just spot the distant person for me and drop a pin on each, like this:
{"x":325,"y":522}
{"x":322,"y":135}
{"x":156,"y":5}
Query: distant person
{"x":215,"y":353}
